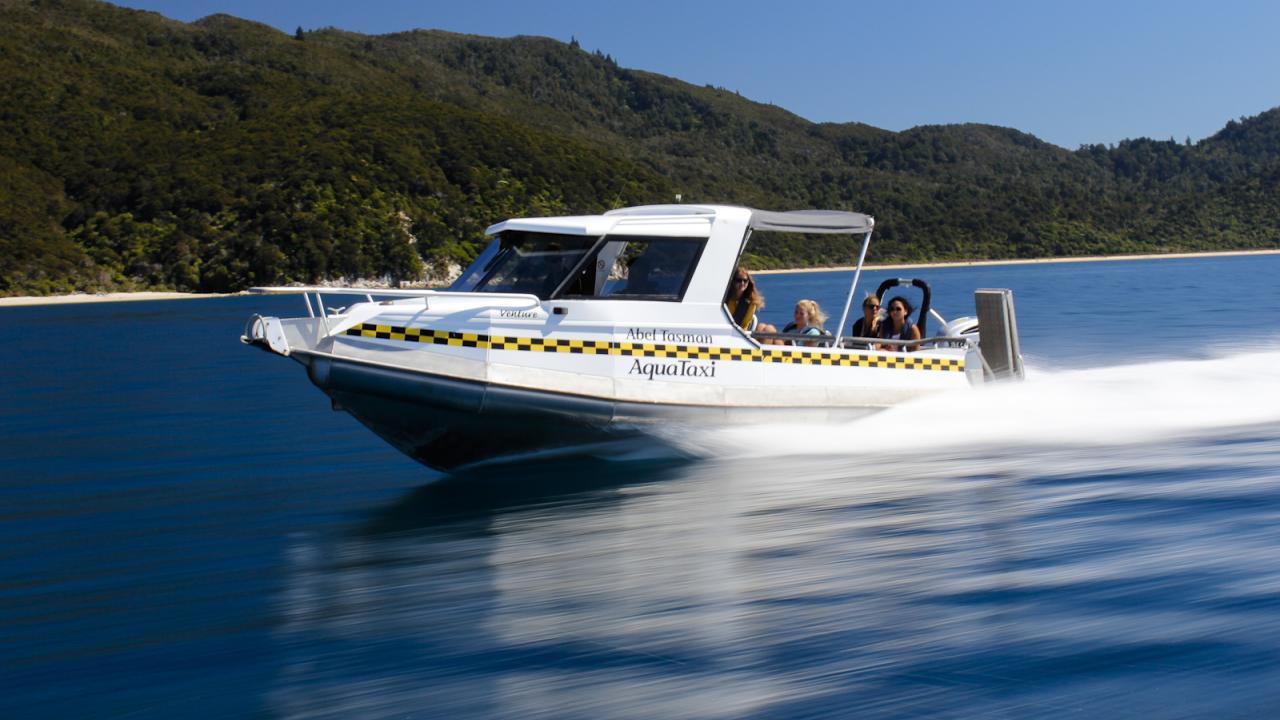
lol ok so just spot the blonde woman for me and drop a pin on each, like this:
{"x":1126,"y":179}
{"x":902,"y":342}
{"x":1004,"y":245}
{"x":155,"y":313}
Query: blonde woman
{"x":807,"y":319}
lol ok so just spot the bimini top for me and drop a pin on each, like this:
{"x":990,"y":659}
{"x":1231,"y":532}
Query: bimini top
{"x":793,"y":221}
{"x":812,"y":221}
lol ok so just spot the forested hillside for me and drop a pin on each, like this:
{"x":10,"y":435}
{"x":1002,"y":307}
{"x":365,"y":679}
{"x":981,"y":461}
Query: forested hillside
{"x":141,"y":152}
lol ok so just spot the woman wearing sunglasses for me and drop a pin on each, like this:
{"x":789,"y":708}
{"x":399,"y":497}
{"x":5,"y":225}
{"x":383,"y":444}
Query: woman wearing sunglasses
{"x":744,"y":301}
{"x":897,"y":326}
{"x":868,"y":326}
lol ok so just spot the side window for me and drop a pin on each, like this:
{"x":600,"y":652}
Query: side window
{"x":534,"y":263}
{"x":639,"y":268}
{"x":475,"y":272}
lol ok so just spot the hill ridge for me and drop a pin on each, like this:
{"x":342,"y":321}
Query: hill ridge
{"x":139,"y":152}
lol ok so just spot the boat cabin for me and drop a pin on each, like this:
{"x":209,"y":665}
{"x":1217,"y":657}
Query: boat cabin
{"x":682,"y":254}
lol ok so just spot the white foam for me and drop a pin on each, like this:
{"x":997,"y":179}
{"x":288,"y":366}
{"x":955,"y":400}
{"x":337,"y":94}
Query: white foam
{"x":1110,"y":406}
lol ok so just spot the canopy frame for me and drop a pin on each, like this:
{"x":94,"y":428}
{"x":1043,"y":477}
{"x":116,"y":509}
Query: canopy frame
{"x":831,"y":222}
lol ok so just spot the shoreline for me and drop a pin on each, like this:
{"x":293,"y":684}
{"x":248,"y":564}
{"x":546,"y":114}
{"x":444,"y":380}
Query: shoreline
{"x":77,"y":298}
{"x":84,"y":298}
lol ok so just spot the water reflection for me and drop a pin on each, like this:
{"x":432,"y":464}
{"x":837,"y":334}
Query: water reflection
{"x":686,"y":590}
{"x":481,"y":493}
{"x":944,"y":584}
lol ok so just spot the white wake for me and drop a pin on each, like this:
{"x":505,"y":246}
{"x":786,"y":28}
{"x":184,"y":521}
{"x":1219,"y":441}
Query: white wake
{"x":1111,"y":406}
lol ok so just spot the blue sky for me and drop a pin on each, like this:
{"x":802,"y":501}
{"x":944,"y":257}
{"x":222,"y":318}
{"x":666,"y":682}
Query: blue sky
{"x":1070,"y":73}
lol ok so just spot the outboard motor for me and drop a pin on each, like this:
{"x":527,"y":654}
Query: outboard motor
{"x":998,"y":326}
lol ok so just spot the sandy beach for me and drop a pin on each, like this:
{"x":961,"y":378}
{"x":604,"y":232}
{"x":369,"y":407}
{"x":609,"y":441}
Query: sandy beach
{"x":99,"y":298}
{"x":134,"y":296}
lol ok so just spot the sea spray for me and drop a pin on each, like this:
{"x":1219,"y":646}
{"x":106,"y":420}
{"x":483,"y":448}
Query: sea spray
{"x":1118,"y":405}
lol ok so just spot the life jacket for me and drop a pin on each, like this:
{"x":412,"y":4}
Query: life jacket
{"x":859,"y":331}
{"x":742,"y":314}
{"x":821,"y":331}
{"x":887,"y":333}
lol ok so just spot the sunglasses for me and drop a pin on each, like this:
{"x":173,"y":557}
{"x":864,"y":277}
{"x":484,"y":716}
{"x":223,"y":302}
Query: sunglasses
{"x":897,"y":308}
{"x":869,"y":306}
{"x":742,"y":280}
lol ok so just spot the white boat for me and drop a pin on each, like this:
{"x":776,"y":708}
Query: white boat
{"x":573,"y":331}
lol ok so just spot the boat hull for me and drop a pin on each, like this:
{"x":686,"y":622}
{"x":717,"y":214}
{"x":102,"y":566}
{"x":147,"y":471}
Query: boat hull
{"x":449,"y":423}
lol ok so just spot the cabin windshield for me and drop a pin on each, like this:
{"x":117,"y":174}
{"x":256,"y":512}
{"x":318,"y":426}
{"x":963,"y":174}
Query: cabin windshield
{"x":619,"y":268}
{"x":526,"y":262}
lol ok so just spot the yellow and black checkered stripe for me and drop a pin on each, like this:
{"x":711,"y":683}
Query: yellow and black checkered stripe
{"x":651,"y":350}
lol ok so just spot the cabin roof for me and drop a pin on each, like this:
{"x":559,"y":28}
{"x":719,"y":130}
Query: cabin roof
{"x":679,"y":217}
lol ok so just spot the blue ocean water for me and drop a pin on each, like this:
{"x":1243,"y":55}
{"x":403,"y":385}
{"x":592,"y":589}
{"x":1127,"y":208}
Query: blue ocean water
{"x":188,"y":530}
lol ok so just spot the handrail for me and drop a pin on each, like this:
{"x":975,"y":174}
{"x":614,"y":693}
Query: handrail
{"x":250,"y":328}
{"x":803,"y":338}
{"x":320,"y":311}
{"x":304,"y":289}
{"x":368,"y":292}
{"x":850,"y":342}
